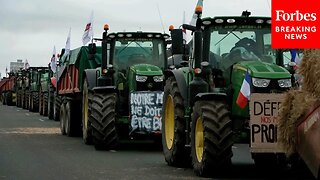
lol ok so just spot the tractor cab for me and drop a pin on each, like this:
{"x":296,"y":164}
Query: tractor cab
{"x":235,"y":45}
{"x":139,"y":56}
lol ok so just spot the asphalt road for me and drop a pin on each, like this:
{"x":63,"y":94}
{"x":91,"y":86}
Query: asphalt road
{"x":31,"y":147}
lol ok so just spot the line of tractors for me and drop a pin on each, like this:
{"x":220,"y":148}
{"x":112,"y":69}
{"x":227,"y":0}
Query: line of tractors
{"x":148,"y":85}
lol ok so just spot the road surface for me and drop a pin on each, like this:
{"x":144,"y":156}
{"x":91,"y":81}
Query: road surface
{"x":31,"y":147}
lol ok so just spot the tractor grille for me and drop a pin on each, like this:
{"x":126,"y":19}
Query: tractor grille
{"x":272,"y":88}
{"x":149,"y":85}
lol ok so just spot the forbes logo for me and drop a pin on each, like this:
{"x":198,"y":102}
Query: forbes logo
{"x":281,"y":15}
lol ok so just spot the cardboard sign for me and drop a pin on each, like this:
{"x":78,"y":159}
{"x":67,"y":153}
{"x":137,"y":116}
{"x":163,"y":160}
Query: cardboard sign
{"x":264,"y":109}
{"x":145,"y":111}
{"x":308,"y":140}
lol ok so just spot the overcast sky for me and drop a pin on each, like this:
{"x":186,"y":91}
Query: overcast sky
{"x":29,"y":29}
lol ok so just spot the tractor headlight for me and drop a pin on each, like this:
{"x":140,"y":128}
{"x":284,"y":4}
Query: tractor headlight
{"x":158,"y":78}
{"x":141,"y":78}
{"x":284,"y":83}
{"x":260,"y":82}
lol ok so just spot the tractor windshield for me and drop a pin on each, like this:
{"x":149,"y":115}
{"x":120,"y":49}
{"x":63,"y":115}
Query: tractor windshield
{"x":131,"y":51}
{"x":231,"y":44}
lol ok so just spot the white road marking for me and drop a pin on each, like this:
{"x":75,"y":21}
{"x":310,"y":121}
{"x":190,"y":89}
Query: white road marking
{"x":27,"y":114}
{"x":41,"y":120}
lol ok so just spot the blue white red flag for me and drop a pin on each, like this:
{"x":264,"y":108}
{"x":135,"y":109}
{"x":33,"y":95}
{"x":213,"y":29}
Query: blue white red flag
{"x":294,"y":56}
{"x":244,"y":93}
{"x":88,"y":31}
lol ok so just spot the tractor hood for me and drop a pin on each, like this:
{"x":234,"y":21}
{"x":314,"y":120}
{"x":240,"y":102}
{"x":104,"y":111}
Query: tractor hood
{"x":260,"y":69}
{"x":146,"y":69}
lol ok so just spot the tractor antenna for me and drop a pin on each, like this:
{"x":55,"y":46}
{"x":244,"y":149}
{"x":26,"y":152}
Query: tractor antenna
{"x":160,"y":18}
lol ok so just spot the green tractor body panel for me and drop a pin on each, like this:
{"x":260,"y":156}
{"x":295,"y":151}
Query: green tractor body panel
{"x":141,"y":70}
{"x":70,"y":75}
{"x":44,"y":80}
{"x":256,"y":69}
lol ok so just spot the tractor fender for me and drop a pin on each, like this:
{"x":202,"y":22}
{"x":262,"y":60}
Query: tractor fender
{"x":53,"y":81}
{"x":182,"y":84}
{"x":91,"y":75}
{"x":105,"y":89}
{"x":210,"y":96}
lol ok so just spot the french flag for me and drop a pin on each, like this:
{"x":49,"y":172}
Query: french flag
{"x":244,"y":93}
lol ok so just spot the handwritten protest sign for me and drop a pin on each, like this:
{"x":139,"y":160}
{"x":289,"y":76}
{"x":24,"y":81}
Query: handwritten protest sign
{"x":145,"y":111}
{"x":264,"y":109}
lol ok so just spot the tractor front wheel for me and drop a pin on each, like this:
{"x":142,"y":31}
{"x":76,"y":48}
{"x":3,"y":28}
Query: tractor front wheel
{"x":102,"y":119}
{"x":211,"y":138}
{"x":45,"y":104}
{"x":174,"y":126}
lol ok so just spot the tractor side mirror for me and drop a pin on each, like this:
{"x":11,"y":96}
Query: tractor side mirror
{"x":177,"y":41}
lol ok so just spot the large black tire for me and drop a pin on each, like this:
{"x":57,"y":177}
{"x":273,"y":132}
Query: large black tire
{"x":211,"y":138}
{"x":62,"y":115}
{"x":57,"y":105}
{"x":34,"y":102}
{"x":4,"y":99}
{"x":174,"y":126}
{"x":51,"y":103}
{"x":72,"y":118}
{"x":23,"y":100}
{"x":18,"y":98}
{"x":9,"y":98}
{"x":41,"y":103}
{"x":45,"y":104}
{"x":102,"y":118}
{"x":86,"y":109}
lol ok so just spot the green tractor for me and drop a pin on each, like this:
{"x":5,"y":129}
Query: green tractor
{"x":201,"y":119}
{"x":43,"y":83}
{"x":34,"y":87}
{"x":123,"y":99}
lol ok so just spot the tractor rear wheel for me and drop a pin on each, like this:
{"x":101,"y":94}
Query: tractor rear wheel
{"x":211,"y":138}
{"x":86,"y":105}
{"x":174,"y":126}
{"x":4,"y":99}
{"x":18,"y":99}
{"x":40,"y":103}
{"x":51,"y":103}
{"x":62,"y":115}
{"x":102,"y":118}
{"x":9,"y":98}
{"x":34,"y":102}
{"x":57,"y":106}
{"x":45,"y":104}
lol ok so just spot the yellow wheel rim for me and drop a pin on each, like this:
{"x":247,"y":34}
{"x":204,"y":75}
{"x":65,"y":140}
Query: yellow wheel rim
{"x":169,"y":121}
{"x":85,"y":108}
{"x":199,"y":139}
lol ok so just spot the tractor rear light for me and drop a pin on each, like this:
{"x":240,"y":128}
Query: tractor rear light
{"x":197,"y":71}
{"x":104,"y":71}
{"x":171,"y":27}
{"x":106,"y":27}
